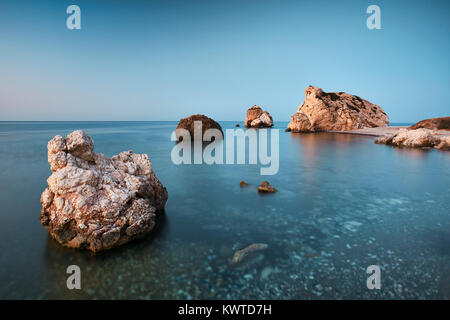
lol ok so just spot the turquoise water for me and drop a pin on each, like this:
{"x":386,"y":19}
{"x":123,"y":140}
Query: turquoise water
{"x":344,"y":203}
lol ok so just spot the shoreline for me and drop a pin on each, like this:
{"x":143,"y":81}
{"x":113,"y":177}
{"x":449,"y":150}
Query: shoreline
{"x":383,"y":131}
{"x":372,"y":132}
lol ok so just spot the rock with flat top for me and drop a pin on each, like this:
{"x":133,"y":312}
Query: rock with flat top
{"x":96,"y":202}
{"x":335,"y":111}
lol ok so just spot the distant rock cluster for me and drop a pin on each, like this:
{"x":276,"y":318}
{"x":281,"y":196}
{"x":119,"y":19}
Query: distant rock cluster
{"x":96,"y":202}
{"x":335,"y":111}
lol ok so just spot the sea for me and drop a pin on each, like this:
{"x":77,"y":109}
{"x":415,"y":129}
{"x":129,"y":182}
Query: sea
{"x":343,"y":204}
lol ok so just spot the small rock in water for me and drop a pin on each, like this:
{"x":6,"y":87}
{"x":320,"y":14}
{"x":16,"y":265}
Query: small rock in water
{"x":265,"y":187}
{"x":242,"y":183}
{"x":257,"y":118}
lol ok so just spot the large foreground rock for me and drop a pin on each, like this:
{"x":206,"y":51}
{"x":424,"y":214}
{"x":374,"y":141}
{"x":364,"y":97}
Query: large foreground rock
{"x":340,"y":111}
{"x":96,"y":202}
{"x":257,"y":118}
{"x":418,"y":138}
{"x":433,"y":124}
{"x":188,"y":124}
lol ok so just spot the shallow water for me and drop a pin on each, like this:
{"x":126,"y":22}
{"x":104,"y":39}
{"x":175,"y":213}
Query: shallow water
{"x":344,"y":203}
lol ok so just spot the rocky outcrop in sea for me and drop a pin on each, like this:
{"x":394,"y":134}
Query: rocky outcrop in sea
{"x":416,"y":138}
{"x":96,"y":202}
{"x":335,"y":111}
{"x":257,"y":118}
{"x":188,"y":124}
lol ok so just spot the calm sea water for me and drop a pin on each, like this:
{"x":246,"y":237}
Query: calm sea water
{"x":344,"y":203}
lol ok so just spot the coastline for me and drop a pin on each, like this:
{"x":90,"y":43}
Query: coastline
{"x":383,"y":131}
{"x":374,"y":132}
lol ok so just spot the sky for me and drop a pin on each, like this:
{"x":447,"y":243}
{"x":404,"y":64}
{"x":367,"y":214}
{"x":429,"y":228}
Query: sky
{"x":165,"y":60}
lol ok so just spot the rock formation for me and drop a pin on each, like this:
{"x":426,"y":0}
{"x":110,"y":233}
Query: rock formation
{"x":418,"y":138}
{"x":257,"y":118}
{"x":97,"y":202}
{"x":328,"y":111}
{"x":265,"y":187}
{"x":433,"y":124}
{"x":188,"y":124}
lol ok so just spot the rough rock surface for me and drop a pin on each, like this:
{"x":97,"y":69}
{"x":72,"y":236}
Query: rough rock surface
{"x":433,"y":124}
{"x":96,"y":202}
{"x":257,"y":118}
{"x":241,"y":255}
{"x":188,"y":124}
{"x":265,"y":187}
{"x":418,"y":138}
{"x":327,"y":111}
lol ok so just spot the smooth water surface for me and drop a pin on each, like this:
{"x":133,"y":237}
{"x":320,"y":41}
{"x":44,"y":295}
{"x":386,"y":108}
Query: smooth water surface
{"x":344,"y":203}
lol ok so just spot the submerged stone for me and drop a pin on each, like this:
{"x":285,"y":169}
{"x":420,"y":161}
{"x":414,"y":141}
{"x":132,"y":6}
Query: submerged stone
{"x":241,"y":255}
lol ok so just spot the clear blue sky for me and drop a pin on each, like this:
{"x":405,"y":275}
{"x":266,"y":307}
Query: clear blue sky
{"x":163,"y":60}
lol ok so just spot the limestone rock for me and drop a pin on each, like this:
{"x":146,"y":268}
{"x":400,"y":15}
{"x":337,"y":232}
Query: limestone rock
{"x":433,"y":124}
{"x":188,"y":124}
{"x":257,"y":118}
{"x":418,"y":138}
{"x":328,"y":111}
{"x":97,"y":202}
